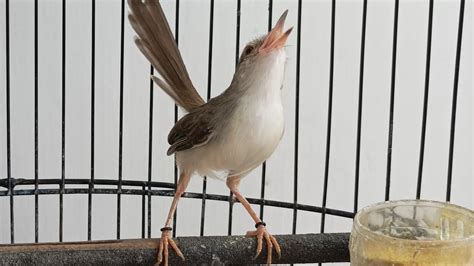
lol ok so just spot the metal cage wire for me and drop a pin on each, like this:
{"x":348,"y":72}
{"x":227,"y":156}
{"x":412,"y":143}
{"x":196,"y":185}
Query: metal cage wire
{"x":15,"y":186}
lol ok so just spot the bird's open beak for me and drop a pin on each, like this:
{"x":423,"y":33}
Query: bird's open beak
{"x":276,"y":38}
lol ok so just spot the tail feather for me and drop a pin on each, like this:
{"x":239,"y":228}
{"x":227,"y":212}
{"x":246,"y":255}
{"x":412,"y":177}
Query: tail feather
{"x":156,"y":42}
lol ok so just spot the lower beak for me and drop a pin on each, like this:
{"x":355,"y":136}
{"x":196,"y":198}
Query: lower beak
{"x":276,"y":38}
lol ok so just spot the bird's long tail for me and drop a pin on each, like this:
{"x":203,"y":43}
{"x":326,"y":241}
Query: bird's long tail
{"x":156,"y":42}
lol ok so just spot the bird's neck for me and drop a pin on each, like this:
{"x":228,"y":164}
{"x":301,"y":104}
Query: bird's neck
{"x":263,"y":80}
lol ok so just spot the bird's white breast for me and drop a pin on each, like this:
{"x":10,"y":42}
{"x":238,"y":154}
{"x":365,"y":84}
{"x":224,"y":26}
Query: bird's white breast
{"x":254,"y":129}
{"x":257,"y":130}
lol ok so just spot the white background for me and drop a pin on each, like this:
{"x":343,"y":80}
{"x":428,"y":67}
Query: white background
{"x":193,"y":43}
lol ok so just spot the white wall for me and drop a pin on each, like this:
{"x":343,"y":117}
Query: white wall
{"x":193,"y":43}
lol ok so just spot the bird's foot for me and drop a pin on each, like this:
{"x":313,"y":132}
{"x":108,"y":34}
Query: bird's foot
{"x":166,"y":240}
{"x":271,"y":241}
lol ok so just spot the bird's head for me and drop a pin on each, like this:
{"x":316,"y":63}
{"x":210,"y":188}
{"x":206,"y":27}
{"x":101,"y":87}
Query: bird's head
{"x":260,"y":54}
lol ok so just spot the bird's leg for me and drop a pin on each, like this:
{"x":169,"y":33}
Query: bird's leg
{"x":166,"y":239}
{"x":261,"y":232}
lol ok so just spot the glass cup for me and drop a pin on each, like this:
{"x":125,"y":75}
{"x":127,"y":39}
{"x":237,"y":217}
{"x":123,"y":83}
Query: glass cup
{"x":413,"y":232}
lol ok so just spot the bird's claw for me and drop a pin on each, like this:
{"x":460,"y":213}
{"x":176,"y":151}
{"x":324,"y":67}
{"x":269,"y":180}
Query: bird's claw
{"x":271,"y":241}
{"x":163,"y":253}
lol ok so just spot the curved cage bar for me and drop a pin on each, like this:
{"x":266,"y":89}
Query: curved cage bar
{"x":143,"y":188}
{"x":304,"y":248}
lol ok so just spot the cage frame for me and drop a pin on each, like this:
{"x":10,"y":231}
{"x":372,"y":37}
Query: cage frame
{"x":148,"y":189}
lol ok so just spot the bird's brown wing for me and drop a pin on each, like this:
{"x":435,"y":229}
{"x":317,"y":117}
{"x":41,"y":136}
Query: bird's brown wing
{"x":156,"y":42}
{"x":193,"y":130}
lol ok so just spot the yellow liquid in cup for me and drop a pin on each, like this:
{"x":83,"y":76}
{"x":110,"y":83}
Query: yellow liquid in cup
{"x":413,"y":233}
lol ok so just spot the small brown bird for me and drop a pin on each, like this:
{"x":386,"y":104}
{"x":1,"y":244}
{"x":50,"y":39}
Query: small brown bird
{"x":231,"y":134}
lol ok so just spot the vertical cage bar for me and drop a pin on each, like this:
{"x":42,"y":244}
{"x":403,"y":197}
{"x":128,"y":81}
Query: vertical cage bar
{"x":7,"y":89}
{"x":455,"y":100}
{"x":63,"y":123}
{"x":120,"y":161}
{"x":92,"y":176}
{"x":209,"y":86}
{"x":392,"y":102}
{"x":143,"y":212}
{"x":237,"y":33}
{"x":425,"y":101}
{"x":262,"y":190}
{"x":297,"y":116}
{"x":36,"y":121}
{"x":237,"y":50}
{"x":264,"y":164}
{"x":359,"y":111}
{"x":203,"y":206}
{"x":176,"y":37}
{"x":150,"y":154}
{"x":175,"y":216}
{"x":231,"y":211}
{"x":328,"y":134}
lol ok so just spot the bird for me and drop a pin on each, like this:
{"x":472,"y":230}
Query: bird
{"x":232,"y":133}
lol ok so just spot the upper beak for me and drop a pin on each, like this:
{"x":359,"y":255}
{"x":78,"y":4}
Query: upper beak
{"x":276,"y":38}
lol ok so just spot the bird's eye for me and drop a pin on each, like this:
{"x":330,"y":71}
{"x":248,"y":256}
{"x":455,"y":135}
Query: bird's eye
{"x":248,"y":50}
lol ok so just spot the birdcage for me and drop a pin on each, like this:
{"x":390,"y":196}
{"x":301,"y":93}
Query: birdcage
{"x":378,"y":104}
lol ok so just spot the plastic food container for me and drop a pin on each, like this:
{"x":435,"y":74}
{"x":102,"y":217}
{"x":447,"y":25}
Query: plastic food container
{"x":413,"y":232}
